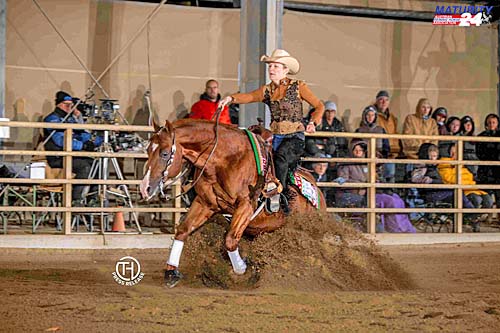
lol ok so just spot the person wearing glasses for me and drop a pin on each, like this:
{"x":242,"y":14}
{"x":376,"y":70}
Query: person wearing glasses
{"x":82,"y":140}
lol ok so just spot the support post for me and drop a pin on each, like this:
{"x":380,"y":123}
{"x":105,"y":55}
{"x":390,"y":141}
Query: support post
{"x":260,"y":33}
{"x":68,"y":174}
{"x":372,"y":179}
{"x":459,"y":217}
{"x":3,"y":42}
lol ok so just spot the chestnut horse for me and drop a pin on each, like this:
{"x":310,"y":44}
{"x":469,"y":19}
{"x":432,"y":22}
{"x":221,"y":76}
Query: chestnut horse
{"x":227,"y":184}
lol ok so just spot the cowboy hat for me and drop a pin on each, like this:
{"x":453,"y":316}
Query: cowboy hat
{"x":283,"y":57}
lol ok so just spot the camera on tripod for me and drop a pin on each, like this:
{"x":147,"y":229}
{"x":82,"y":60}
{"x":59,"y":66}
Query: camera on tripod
{"x":87,"y":109}
{"x":108,"y":110}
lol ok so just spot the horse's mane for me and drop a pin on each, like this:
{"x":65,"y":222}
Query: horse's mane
{"x":201,"y":124}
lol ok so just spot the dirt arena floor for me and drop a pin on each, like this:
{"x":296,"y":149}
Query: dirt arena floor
{"x":450,"y":288}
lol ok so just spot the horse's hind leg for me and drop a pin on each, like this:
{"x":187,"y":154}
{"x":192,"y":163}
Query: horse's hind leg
{"x":196,"y":217}
{"x":241,"y":218}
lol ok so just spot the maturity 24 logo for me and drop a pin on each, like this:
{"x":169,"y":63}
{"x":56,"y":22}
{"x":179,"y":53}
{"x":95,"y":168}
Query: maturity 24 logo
{"x":463,"y":16}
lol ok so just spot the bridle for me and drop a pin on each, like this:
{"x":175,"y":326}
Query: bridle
{"x":169,"y":158}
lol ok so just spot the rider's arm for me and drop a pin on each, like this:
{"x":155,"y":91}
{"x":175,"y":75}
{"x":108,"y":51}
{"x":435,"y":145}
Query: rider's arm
{"x":307,"y":95}
{"x":254,"y":96}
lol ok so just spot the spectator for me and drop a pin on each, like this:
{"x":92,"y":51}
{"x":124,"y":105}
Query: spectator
{"x":440,"y":115}
{"x":332,"y":146}
{"x":453,"y":128}
{"x":418,"y":123}
{"x":478,"y":198}
{"x":82,"y":140}
{"x":369,"y":125}
{"x":489,"y":151}
{"x":389,"y":123}
{"x":467,"y":129}
{"x":358,"y":173}
{"x":428,"y":174}
{"x":206,"y":107}
{"x":353,"y":173}
{"x":320,"y":174}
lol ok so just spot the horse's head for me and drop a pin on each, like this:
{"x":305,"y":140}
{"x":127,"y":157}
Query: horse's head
{"x":164,"y":160}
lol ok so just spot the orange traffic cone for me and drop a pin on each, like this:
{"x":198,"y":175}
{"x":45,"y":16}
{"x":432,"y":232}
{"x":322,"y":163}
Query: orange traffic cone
{"x":118,"y":222}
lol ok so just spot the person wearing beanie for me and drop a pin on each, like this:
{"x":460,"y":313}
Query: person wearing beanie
{"x":489,"y":151}
{"x":389,"y":122}
{"x":82,"y":140}
{"x":333,"y":146}
{"x":440,"y":115}
{"x":419,"y":123}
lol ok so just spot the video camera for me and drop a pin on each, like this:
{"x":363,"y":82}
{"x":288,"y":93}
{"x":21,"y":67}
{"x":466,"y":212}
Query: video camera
{"x":87,"y":109}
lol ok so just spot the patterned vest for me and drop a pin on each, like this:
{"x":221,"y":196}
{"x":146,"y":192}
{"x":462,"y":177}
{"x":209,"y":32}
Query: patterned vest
{"x":289,"y":108}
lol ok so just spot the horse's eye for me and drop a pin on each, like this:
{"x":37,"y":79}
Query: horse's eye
{"x":164,"y":154}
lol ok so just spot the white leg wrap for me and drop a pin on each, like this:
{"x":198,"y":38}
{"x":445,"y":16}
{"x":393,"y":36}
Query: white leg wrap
{"x":239,"y":266}
{"x":175,"y":253}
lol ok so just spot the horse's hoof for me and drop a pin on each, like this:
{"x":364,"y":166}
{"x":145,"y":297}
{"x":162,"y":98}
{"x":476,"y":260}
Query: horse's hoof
{"x":172,"y":278}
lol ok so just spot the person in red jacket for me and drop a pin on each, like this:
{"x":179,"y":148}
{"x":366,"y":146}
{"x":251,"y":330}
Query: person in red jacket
{"x":206,"y":107}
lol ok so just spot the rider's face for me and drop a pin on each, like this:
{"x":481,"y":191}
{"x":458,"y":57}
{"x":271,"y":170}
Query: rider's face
{"x":277,"y":71}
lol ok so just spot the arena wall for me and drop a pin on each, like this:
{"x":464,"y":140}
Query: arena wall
{"x":344,"y":59}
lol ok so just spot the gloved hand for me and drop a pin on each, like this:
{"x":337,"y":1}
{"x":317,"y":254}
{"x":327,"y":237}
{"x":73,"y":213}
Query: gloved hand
{"x":88,"y":146}
{"x":339,"y":180}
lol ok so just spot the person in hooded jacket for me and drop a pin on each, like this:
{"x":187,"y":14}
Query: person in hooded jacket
{"x":467,"y":129}
{"x":358,"y":173}
{"x":429,"y":174}
{"x":448,"y":172}
{"x":418,"y":123}
{"x":369,"y":125}
{"x":440,"y":115}
{"x":489,"y":151}
{"x":453,"y":128}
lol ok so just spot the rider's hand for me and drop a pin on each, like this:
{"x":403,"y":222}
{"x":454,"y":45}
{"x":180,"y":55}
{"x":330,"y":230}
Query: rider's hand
{"x":225,"y":101}
{"x":310,"y":127}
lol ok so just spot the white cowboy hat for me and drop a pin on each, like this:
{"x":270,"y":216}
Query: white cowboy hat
{"x":283,"y":57}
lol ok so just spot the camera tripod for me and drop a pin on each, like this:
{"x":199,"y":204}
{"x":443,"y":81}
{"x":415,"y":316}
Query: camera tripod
{"x":100,"y":168}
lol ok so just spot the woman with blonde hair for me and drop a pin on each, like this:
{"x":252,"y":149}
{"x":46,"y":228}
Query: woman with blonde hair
{"x":419,"y":123}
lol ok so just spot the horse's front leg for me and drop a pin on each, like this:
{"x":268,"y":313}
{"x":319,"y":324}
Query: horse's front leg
{"x":241,"y":218}
{"x":198,"y":214}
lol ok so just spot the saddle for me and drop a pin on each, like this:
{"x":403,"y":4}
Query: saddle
{"x":269,"y":185}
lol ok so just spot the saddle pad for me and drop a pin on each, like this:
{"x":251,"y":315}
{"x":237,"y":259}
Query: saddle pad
{"x":260,"y":158}
{"x":308,"y":190}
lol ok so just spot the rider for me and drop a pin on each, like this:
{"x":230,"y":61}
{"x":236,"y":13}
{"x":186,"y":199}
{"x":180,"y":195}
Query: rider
{"x":284,"y":97}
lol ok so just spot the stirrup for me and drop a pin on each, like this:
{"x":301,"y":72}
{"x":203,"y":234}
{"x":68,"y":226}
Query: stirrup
{"x":273,"y":204}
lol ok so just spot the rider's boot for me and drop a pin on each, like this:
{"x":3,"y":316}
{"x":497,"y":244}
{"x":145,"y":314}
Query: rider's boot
{"x":285,"y":208}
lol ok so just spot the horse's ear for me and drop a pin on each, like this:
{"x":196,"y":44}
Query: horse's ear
{"x":169,"y":127}
{"x":155,"y":126}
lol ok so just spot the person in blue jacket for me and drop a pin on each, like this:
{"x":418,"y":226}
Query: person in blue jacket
{"x":82,"y":140}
